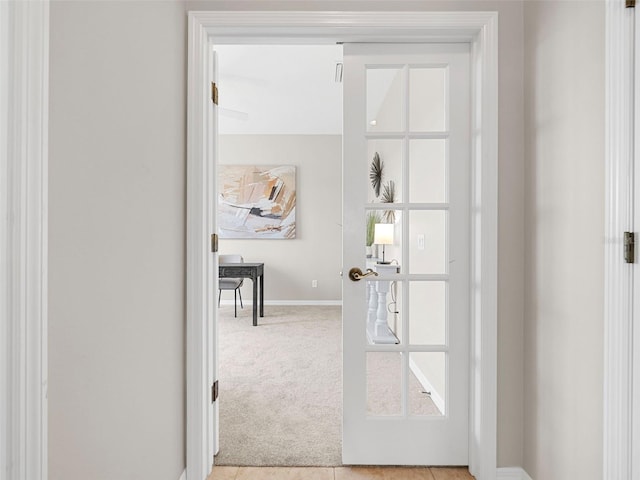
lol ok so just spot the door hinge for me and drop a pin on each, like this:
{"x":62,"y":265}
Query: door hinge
{"x":214,"y":391}
{"x":629,"y":247}
{"x":214,"y":93}
{"x":214,"y":242}
{"x":630,"y":3}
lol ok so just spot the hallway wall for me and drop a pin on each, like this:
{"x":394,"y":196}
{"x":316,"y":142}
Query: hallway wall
{"x":117,"y":240}
{"x":564,"y":121}
{"x":117,"y":227}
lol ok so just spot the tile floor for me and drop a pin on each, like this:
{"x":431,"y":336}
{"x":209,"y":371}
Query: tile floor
{"x":339,"y":473}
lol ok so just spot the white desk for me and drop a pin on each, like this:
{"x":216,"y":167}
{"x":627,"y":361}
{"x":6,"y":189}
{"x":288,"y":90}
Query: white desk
{"x":378,"y":330}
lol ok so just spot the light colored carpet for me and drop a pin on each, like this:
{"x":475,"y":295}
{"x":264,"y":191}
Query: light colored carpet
{"x":280,"y":387}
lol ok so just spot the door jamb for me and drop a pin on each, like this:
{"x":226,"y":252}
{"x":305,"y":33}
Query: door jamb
{"x":620,"y":424}
{"x":480,"y":29}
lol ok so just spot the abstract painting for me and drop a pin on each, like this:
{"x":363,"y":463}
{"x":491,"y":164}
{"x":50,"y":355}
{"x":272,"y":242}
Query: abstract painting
{"x":257,"y":201}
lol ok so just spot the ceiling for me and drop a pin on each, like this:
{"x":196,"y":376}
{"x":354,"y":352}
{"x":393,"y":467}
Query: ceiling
{"x":279,"y":89}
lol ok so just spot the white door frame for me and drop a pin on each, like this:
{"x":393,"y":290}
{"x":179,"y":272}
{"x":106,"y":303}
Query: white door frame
{"x":635,"y":345}
{"x":621,"y":430}
{"x":24,"y":88}
{"x":480,"y":29}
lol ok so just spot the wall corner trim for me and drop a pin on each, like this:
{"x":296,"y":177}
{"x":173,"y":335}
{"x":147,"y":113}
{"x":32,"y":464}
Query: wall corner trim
{"x":512,"y":473}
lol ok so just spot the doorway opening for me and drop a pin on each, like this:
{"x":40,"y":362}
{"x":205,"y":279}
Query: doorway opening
{"x":280,"y":127}
{"x":207,"y":29}
{"x":417,"y":117}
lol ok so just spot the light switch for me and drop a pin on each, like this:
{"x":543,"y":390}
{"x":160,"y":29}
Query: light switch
{"x":421,"y":241}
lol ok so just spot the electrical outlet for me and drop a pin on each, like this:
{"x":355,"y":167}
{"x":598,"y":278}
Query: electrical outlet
{"x":314,"y":283}
{"x":421,"y":241}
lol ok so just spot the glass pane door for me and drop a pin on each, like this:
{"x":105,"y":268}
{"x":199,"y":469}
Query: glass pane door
{"x":406,"y":225}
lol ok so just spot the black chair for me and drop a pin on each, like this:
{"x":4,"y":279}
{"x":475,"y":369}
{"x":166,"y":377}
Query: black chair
{"x":231,"y":283}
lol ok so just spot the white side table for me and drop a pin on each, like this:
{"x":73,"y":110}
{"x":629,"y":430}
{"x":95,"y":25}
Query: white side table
{"x":378,"y":330}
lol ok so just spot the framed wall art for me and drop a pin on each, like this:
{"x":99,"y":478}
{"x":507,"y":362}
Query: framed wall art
{"x":257,"y":201}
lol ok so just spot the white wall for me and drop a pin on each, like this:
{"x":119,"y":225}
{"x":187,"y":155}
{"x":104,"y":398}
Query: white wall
{"x":117,"y":226}
{"x":116,"y":241}
{"x":564,"y":87}
{"x":315,"y":253}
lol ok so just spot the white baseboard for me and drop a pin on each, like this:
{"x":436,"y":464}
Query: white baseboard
{"x":184,"y":475}
{"x":512,"y":473}
{"x":426,"y":384}
{"x":288,"y":302}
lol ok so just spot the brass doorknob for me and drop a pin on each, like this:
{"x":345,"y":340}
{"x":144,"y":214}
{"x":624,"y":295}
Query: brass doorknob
{"x":355,"y":274}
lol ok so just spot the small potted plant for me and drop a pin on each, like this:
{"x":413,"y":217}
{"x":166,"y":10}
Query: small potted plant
{"x":372,"y":219}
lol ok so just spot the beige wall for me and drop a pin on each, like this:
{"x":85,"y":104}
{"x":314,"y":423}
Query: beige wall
{"x":116,"y":241}
{"x":117,"y":226}
{"x":564,"y":88}
{"x":315,"y":253}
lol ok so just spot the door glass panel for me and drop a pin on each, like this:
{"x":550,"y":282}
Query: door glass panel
{"x":384,"y":383}
{"x":384,"y":100}
{"x":394,"y":308}
{"x":384,"y":173}
{"x":428,"y":241}
{"x":428,"y":313}
{"x":384,"y":321}
{"x":428,"y":171}
{"x":383,"y":236}
{"x":427,"y":102}
{"x":427,"y":385}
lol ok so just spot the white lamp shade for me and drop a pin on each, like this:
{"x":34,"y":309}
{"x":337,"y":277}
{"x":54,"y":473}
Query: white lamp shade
{"x":383,"y":234}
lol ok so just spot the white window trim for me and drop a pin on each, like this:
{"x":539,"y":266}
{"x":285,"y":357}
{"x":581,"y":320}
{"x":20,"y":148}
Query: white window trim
{"x":478,"y":28}
{"x":24,"y":76}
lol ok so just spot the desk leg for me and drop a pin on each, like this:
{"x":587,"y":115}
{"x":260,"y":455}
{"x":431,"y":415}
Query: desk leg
{"x":255,"y":302}
{"x":261,"y":295}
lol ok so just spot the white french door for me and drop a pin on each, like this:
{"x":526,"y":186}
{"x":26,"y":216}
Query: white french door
{"x":406,"y":186}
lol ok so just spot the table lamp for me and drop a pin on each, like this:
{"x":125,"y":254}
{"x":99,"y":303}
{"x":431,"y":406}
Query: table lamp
{"x":383,"y":235}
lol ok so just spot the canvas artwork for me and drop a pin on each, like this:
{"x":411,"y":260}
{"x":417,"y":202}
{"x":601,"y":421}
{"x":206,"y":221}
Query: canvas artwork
{"x":257,"y":201}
